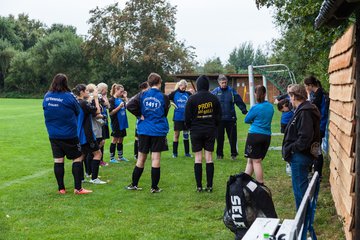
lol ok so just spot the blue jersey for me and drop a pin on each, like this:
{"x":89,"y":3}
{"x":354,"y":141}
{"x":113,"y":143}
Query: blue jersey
{"x":119,"y":120}
{"x":60,"y":112}
{"x":179,"y":98}
{"x":151,"y":107}
{"x":84,"y":130}
{"x":260,"y":117}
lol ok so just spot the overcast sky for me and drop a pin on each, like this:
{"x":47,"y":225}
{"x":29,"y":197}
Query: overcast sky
{"x":213,"y":27}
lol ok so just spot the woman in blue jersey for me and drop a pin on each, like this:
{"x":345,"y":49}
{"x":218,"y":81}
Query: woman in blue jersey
{"x":259,"y":136}
{"x":119,"y":122}
{"x":151,"y":107}
{"x":61,"y":110}
{"x":179,"y":97}
{"x":86,"y":135}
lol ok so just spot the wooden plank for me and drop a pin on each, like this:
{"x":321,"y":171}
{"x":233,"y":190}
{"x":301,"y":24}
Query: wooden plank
{"x":344,"y":93}
{"x":347,"y":179}
{"x":346,"y":142}
{"x":341,"y":61}
{"x":344,"y":76}
{"x":340,"y":203}
{"x":346,"y":110}
{"x":345,"y":42}
{"x":344,"y":125}
{"x":335,"y":148}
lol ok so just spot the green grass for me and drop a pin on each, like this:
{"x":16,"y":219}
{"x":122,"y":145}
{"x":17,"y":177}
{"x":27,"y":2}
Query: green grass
{"x":30,"y":208}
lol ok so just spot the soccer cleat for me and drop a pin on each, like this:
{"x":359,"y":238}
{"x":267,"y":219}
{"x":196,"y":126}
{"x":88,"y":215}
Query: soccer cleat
{"x":97,"y":181}
{"x":155,"y":190}
{"x":188,"y":155}
{"x":199,"y":189}
{"x":131,"y":187}
{"x":219,"y":157}
{"x":209,"y":189}
{"x":113,"y":160}
{"x":174,"y":155}
{"x":82,"y":191}
{"x":62,"y":191}
{"x":103,"y":164}
{"x":122,"y":158}
{"x":87,"y":175}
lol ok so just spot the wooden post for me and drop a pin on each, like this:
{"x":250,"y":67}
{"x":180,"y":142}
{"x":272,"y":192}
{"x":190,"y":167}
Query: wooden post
{"x":357,"y":150}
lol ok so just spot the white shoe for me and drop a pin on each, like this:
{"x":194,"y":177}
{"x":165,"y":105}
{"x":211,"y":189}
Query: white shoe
{"x":97,"y":181}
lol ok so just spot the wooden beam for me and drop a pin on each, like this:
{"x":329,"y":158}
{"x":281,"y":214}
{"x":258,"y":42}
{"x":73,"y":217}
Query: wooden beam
{"x":344,"y":140}
{"x":344,"y":76}
{"x":336,"y":149}
{"x":344,"y":93}
{"x":348,"y":127}
{"x":347,"y":179}
{"x":345,"y":201}
{"x":341,"y":61}
{"x":344,"y":109}
{"x":343,"y":43}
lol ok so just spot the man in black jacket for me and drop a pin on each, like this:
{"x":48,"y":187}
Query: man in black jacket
{"x":202,"y":116}
{"x":301,"y":140}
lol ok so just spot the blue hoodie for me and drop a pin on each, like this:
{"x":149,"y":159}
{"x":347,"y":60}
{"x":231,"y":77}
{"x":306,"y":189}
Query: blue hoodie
{"x":60,"y":111}
{"x":153,"y":105}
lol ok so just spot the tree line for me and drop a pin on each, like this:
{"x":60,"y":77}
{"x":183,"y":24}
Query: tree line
{"x":125,"y":45}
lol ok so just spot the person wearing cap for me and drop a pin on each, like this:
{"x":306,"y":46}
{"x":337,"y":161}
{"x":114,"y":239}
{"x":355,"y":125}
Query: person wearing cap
{"x":228,"y":98}
{"x":202,"y":116}
{"x":300,"y":145}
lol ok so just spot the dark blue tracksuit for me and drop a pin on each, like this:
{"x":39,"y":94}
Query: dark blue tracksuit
{"x":228,"y":97}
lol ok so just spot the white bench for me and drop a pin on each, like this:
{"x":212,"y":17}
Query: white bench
{"x":290,"y":229}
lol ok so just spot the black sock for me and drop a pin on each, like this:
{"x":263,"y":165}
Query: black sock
{"x":209,"y":174}
{"x":175,"y":147}
{"x":59,"y":171}
{"x":155,"y":177}
{"x":136,"y":175}
{"x":119,"y":148}
{"x":102,"y":153}
{"x":198,"y":174}
{"x":88,"y":163}
{"x":136,"y":147}
{"x":77,"y":172}
{"x":95,"y":169}
{"x":186,"y":146}
{"x":112,"y":150}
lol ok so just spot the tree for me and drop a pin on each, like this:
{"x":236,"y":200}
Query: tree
{"x":301,"y":47}
{"x":246,"y":55}
{"x":32,"y":71}
{"x":136,"y":41}
{"x":213,"y":66}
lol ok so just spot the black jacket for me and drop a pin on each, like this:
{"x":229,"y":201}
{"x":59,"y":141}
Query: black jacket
{"x":302,"y":134}
{"x":202,"y":110}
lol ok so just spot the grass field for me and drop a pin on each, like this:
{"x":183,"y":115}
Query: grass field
{"x":30,"y":207}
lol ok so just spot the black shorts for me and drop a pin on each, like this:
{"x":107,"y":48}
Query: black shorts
{"x":66,"y":147}
{"x":105,"y":132}
{"x":89,"y":147}
{"x":119,"y":133}
{"x":180,"y":126}
{"x":152,"y":143}
{"x":202,"y":141}
{"x":257,"y":145}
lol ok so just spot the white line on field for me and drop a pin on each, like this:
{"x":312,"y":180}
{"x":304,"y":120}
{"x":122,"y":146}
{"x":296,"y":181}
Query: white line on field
{"x":20,"y":180}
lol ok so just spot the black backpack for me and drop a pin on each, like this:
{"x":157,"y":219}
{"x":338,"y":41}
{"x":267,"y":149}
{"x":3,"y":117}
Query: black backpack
{"x":246,"y":200}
